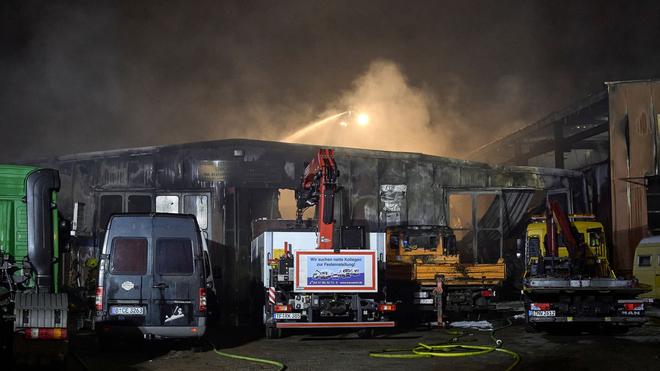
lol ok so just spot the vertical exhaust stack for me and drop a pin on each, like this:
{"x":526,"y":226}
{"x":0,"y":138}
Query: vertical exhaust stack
{"x":40,"y":185}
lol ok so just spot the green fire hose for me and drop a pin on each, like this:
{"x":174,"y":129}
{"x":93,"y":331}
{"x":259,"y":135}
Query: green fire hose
{"x":451,"y":350}
{"x":419,"y":351}
{"x":280,"y":366}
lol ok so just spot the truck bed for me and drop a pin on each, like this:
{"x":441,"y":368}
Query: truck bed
{"x":549,"y":285}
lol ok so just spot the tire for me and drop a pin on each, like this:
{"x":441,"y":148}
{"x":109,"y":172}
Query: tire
{"x":198,"y":346}
{"x":273,"y":332}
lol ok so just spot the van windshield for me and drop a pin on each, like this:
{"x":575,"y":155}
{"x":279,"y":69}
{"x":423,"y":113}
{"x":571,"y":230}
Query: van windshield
{"x":129,"y":256}
{"x":174,"y":256}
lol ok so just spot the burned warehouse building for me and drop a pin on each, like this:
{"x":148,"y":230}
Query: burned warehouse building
{"x":234,"y":186}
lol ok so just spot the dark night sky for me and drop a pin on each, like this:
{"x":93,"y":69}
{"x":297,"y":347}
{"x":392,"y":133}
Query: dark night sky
{"x":91,"y":75}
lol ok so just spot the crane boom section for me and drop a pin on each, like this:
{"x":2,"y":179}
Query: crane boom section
{"x":317,"y":187}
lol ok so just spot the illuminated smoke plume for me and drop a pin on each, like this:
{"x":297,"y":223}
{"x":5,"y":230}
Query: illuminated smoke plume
{"x":401,"y":117}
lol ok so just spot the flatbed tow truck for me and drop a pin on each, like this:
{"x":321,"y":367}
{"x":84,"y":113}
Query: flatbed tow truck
{"x":568,"y":279}
{"x":309,"y":279}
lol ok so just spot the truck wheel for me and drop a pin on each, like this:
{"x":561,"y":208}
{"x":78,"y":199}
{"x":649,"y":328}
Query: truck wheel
{"x":366,"y":333}
{"x":273,"y":332}
{"x":198,"y":346}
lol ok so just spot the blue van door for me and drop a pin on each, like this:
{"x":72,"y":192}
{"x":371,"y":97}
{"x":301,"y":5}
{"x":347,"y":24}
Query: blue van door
{"x":177,"y":276}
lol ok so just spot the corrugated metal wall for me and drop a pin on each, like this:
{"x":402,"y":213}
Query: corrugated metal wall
{"x":633,"y":155}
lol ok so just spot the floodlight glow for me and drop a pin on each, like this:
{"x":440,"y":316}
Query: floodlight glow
{"x":362,"y":119}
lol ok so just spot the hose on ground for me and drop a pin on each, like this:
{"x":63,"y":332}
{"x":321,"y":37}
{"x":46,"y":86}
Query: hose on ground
{"x":452,"y":350}
{"x":280,"y":366}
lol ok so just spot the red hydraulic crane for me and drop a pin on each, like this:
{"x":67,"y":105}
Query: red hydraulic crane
{"x":317,"y":187}
{"x":555,"y":215}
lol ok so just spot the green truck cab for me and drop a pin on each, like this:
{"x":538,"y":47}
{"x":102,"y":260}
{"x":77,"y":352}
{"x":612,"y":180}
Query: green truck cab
{"x":32,"y":310}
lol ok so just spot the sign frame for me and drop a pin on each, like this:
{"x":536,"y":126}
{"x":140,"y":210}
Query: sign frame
{"x":370,"y":271}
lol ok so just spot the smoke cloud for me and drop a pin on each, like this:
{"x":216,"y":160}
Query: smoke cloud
{"x":440,"y":77}
{"x":401,"y":117}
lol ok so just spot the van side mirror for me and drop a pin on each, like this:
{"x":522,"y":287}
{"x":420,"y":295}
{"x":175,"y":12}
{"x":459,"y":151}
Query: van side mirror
{"x":519,"y":248}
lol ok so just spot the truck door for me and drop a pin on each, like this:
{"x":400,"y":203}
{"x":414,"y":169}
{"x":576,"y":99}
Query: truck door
{"x":177,"y":278}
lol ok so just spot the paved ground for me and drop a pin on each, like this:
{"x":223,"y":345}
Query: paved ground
{"x":638,"y":349}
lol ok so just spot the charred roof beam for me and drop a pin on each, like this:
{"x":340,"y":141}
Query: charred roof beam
{"x":592,"y":109}
{"x":575,"y":141}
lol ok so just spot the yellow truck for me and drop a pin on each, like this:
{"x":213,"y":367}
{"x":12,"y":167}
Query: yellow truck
{"x":568,"y":278}
{"x":646,"y":266}
{"x":425,"y":272}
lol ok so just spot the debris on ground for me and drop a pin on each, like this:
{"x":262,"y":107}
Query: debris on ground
{"x":480,"y":325}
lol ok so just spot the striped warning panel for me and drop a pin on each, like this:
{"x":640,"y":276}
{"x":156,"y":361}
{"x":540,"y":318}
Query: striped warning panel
{"x":271,"y":295}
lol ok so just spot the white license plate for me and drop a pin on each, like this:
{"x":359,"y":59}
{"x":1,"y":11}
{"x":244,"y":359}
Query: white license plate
{"x":287,"y":315}
{"x":127,"y":311}
{"x":541,"y":313}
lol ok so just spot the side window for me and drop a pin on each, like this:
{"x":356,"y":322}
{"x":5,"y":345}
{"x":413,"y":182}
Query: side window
{"x":128,"y":256}
{"x":174,"y":256}
{"x":644,"y":261}
{"x":167,"y":204}
{"x":197,"y":205}
{"x":139,"y":204}
{"x":460,"y":211}
{"x":110,"y":204}
{"x":533,"y":246}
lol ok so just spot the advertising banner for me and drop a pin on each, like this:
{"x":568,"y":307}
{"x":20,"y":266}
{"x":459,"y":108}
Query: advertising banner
{"x":327,"y":271}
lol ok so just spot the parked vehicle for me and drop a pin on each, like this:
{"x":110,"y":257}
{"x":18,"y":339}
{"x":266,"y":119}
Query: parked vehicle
{"x":313,"y":282}
{"x":424,"y":268}
{"x":33,"y":310}
{"x":154,"y":277}
{"x":646,"y":266}
{"x":568,"y":279}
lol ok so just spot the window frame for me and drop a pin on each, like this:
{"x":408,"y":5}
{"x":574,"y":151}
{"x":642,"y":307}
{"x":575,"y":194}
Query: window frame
{"x":128,"y":196}
{"x":113,"y":253}
{"x":103,"y":225}
{"x":639,"y":261}
{"x":474,"y":227}
{"x":178,"y":203}
{"x":182,"y":208}
{"x":182,"y":194}
{"x":156,"y":254}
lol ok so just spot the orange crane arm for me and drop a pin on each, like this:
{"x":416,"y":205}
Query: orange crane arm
{"x":317,"y":187}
